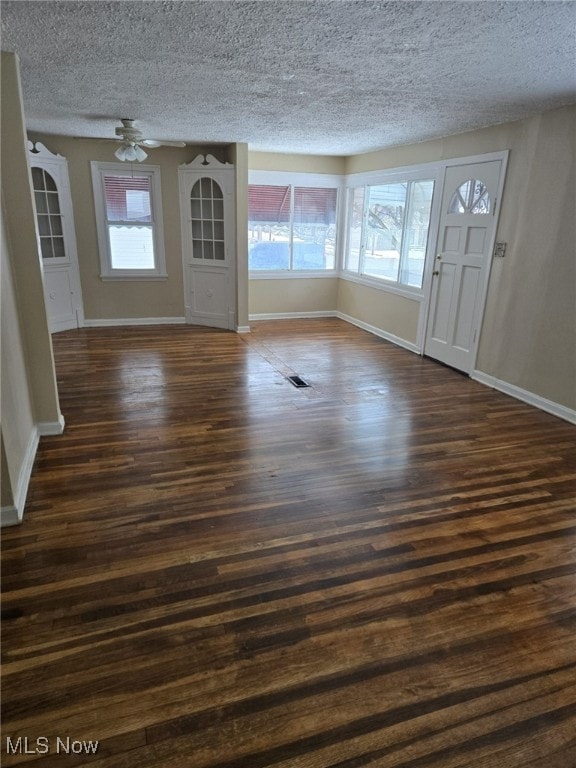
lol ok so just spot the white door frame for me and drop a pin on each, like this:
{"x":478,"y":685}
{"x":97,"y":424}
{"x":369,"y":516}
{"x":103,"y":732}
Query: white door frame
{"x":57,"y":165}
{"x":424,"y":315}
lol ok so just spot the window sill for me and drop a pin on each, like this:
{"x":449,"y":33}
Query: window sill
{"x":285,"y":274}
{"x":416,"y":294}
{"x":135,"y":276}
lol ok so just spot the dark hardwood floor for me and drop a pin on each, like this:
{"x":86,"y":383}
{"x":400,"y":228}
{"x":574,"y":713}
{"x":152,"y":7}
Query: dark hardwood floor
{"x":219,"y":570}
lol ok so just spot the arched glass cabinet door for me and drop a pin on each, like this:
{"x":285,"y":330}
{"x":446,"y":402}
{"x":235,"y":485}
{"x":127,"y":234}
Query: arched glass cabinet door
{"x":49,"y":215}
{"x":207,"y":221}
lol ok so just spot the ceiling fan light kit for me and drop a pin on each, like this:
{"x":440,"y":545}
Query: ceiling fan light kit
{"x":130,"y":152}
{"x":133,"y":140}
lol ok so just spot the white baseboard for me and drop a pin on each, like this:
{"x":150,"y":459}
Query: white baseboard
{"x":340,"y":315}
{"x":51,"y":427}
{"x":242,"y":329}
{"x":527,"y":397}
{"x":9,"y":516}
{"x":379,"y":332}
{"x":292,"y":315}
{"x":530,"y":398}
{"x":126,"y":321}
{"x":13,"y":514}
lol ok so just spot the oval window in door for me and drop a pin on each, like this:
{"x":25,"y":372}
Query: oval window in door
{"x":207,"y":220}
{"x":48,"y":215}
{"x":470,"y":197}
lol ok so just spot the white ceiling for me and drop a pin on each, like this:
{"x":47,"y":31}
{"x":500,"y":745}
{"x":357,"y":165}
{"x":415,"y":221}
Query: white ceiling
{"x":308,"y":76}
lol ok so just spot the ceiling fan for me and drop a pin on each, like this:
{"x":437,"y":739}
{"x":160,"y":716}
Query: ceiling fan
{"x":132,"y":140}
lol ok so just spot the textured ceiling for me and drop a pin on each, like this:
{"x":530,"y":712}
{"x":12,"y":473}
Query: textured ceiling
{"x":309,"y":76}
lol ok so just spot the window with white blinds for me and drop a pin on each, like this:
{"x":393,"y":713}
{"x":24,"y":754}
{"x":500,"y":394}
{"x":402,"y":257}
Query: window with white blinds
{"x":129,"y":221}
{"x":291,"y":227}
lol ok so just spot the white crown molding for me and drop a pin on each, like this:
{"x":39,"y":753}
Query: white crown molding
{"x":38,"y":149}
{"x":205,"y":162}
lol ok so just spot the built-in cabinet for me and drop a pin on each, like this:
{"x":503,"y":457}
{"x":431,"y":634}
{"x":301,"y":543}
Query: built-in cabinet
{"x":207,"y":208}
{"x":56,"y":238}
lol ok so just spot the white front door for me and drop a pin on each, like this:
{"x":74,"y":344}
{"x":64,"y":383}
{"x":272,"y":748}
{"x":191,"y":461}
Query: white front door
{"x":57,"y":238}
{"x":468,"y":221}
{"x":207,"y":209}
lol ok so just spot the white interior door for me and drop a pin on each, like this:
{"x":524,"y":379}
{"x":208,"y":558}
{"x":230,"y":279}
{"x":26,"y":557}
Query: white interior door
{"x":468,"y":221}
{"x":207,"y":209}
{"x":57,"y":238}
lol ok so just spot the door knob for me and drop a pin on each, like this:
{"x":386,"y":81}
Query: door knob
{"x":436,"y":272}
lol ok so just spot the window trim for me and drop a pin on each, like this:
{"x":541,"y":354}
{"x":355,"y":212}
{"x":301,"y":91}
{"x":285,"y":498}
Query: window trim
{"x":423,"y":172}
{"x":301,"y":179}
{"x":107,"y":272}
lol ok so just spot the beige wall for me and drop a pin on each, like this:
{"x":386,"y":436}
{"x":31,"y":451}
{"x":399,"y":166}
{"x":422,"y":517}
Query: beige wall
{"x":292,"y":296}
{"x":482,"y":141}
{"x":529,"y":334}
{"x":391,"y":313}
{"x":269,"y":161}
{"x":528,"y":338}
{"x":110,"y":299}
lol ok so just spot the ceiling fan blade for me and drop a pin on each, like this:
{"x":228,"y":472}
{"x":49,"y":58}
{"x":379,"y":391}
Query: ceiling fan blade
{"x":153,"y":143}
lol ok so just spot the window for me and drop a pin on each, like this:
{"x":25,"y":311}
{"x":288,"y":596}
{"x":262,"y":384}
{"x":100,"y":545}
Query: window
{"x":48,"y":215}
{"x":388,"y":227}
{"x":129,"y":220}
{"x":291,"y":227}
{"x":470,"y":197}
